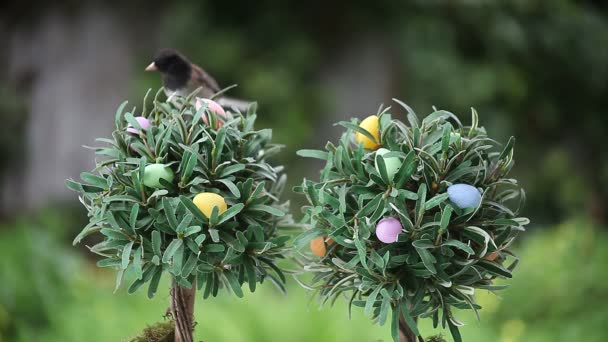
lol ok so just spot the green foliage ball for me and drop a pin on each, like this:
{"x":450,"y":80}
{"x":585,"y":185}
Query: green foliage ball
{"x":446,"y":248}
{"x":139,"y":200}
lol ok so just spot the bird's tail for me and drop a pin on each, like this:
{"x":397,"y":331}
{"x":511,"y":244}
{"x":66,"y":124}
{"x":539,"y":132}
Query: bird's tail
{"x":234,"y":104}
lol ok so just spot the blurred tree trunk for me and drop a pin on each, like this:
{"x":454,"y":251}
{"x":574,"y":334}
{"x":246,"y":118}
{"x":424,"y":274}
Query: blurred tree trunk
{"x":74,"y":69}
{"x":357,"y":77}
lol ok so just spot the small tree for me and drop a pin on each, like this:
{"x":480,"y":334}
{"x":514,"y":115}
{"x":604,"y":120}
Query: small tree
{"x":187,"y":189}
{"x":412,"y":229}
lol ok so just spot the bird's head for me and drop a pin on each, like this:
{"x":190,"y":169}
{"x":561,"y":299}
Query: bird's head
{"x":169,"y":61}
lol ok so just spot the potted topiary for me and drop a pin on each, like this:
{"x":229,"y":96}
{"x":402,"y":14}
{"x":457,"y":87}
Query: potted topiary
{"x":408,"y":221}
{"x":186,"y":189}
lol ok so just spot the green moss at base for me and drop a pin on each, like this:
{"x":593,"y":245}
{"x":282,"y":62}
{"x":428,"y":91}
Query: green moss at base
{"x":158,"y":332}
{"x":435,"y":338}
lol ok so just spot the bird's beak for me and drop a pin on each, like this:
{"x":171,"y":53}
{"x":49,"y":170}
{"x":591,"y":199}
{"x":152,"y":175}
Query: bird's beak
{"x":151,"y":67}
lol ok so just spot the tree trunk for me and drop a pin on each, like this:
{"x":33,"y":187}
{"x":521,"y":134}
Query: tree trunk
{"x":182,"y":310}
{"x":405,"y":333}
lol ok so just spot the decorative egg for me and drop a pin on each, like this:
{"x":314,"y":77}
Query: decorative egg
{"x":492,"y":256}
{"x":372,"y":125}
{"x":464,"y":195}
{"x":393,"y":164}
{"x":318,"y":246}
{"x":154,"y":172}
{"x":144,"y":123}
{"x":388,"y":229}
{"x":206,"y":201}
{"x":211,"y":106}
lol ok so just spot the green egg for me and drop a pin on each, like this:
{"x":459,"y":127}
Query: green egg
{"x":393,"y":164}
{"x":154,"y":172}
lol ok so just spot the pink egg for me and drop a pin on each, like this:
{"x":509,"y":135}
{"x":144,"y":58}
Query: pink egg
{"x":212,"y":106}
{"x":143,"y":123}
{"x":388,"y":229}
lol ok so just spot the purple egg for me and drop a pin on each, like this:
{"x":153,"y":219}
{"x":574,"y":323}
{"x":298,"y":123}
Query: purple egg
{"x":388,"y":229}
{"x":143,"y":123}
{"x":464,"y":195}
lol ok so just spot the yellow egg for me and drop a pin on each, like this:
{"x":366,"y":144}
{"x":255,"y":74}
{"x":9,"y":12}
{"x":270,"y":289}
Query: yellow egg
{"x":372,"y":125}
{"x":206,"y":201}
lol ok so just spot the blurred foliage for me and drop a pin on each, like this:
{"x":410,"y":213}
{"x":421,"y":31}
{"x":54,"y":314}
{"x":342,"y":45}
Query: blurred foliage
{"x":556,"y":295}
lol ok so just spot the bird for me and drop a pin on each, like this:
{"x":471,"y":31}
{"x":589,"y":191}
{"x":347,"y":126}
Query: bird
{"x":182,"y":77}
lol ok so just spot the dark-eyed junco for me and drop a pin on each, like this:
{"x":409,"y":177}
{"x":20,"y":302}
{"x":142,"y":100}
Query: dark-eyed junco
{"x":182,"y":77}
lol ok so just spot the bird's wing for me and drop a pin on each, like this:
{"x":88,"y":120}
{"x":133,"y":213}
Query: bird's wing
{"x":204,"y":79}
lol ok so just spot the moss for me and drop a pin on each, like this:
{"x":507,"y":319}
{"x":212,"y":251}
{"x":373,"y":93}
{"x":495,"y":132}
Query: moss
{"x":158,"y":332}
{"x":435,"y":338}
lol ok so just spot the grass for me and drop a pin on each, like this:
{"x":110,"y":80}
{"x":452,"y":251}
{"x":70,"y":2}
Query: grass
{"x":50,"y":294}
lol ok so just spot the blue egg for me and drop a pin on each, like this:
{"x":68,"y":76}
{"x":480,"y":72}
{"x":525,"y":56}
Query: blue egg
{"x":464,"y":195}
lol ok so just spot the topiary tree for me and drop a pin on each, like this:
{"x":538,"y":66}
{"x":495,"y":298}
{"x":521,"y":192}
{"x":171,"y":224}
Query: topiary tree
{"x":408,"y":221}
{"x":186,"y":189}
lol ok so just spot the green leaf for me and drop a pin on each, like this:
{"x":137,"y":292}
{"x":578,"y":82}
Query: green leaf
{"x":219,"y":145}
{"x":313,"y":154}
{"x":171,"y":249}
{"x":231,"y":187}
{"x":118,"y":114}
{"x":358,"y":129}
{"x":156,"y":242}
{"x":435,"y":201}
{"x":445,"y":139}
{"x":445,"y":219}
{"x":420,"y":203}
{"x":133,"y":216}
{"x":460,"y":245}
{"x":192,"y":208}
{"x":230,"y":213}
{"x":382,"y":169}
{"x":230,"y":169}
{"x":371,"y":206}
{"x":508,"y":148}
{"x":454,"y":331}
{"x":409,"y":320}
{"x":371,"y":300}
{"x":192,"y":230}
{"x":407,"y":169}
{"x":234,"y":283}
{"x":384,"y":307}
{"x":170,"y":213}
{"x":184,"y":223}
{"x":126,"y":255}
{"x":153,"y":286}
{"x":94,"y":180}
{"x":268,"y":209}
{"x":427,"y":259}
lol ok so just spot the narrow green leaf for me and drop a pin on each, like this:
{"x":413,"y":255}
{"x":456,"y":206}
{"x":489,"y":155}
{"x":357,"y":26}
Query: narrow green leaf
{"x":313,"y":154}
{"x":126,"y":255}
{"x":171,"y":249}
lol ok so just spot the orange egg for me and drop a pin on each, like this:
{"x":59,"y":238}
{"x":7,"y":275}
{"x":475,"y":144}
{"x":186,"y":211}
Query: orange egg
{"x":492,"y":256}
{"x":318,"y":246}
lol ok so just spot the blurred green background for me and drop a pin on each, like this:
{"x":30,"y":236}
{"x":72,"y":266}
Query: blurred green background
{"x":534,"y":69}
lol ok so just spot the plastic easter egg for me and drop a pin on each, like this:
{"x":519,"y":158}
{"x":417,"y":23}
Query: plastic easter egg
{"x":393,"y":164}
{"x":318,"y":246}
{"x":372,"y":125}
{"x":144,"y":123}
{"x":492,"y":256}
{"x":388,"y":229}
{"x":154,"y":172}
{"x":464,"y":195}
{"x":214,"y":107}
{"x":206,"y":201}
